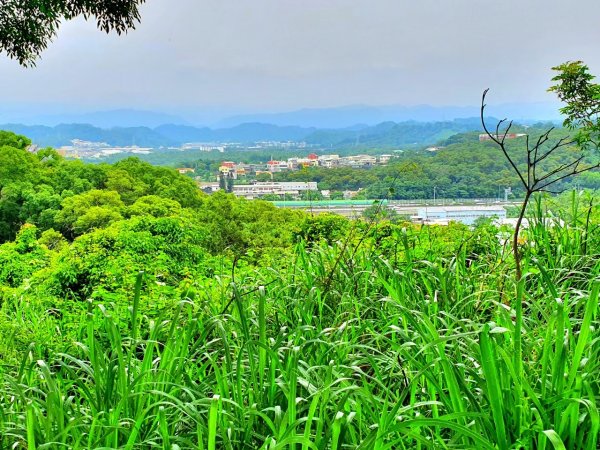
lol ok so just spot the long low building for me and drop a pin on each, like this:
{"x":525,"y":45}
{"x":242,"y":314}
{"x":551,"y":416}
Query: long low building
{"x":464,"y":214}
{"x":257,"y":190}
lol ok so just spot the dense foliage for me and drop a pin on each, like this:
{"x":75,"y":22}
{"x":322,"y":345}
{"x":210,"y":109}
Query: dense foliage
{"x":74,"y":231}
{"x":575,"y":87}
{"x":256,"y":327}
{"x":26,"y":27}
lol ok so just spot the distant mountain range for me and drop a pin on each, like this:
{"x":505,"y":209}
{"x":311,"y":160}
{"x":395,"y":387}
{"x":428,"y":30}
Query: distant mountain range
{"x":330,"y":118}
{"x":161,"y":136}
{"x":243,"y":133}
{"x":126,"y":118}
{"x":385,"y":134}
{"x":372,"y":115}
{"x":52,"y":116}
{"x":393,"y":134}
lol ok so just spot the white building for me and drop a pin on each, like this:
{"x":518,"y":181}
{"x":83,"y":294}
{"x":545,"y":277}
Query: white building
{"x":257,"y":190}
{"x":464,"y":214}
{"x":329,"y":160}
{"x":277,"y":166}
{"x":297,"y":163}
{"x":209,"y":187}
{"x":359,"y":161}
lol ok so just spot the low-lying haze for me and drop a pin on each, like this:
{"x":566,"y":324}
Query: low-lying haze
{"x":206,"y":59}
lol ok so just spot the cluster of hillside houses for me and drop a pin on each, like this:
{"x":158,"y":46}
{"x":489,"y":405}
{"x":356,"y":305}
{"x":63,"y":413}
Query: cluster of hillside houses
{"x":235,"y":170}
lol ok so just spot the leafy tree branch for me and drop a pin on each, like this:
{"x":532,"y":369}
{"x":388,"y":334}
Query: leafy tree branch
{"x":28,"y":26}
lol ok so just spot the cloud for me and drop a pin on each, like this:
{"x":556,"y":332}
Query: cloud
{"x":286,"y":54}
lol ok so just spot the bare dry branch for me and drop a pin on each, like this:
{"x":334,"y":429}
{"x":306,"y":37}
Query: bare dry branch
{"x":510,"y":124}
{"x":500,"y":143}
{"x":563,"y":142}
{"x":571,"y":174}
{"x":561,"y":168}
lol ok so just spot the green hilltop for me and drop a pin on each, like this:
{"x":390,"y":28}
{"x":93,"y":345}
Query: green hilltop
{"x":138,"y":312}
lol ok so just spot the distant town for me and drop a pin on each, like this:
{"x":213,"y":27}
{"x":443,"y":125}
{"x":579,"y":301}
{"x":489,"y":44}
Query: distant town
{"x":83,"y":149}
{"x":235,"y":170}
{"x":230,"y":172}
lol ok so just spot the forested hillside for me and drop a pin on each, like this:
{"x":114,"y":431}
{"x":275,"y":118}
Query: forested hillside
{"x":136,"y":312}
{"x":392,"y":134}
{"x":461,"y":167}
{"x":71,"y":231}
{"x":387,"y":134}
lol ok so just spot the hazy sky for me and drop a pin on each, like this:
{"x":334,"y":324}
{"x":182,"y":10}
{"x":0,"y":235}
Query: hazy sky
{"x":288,"y":54}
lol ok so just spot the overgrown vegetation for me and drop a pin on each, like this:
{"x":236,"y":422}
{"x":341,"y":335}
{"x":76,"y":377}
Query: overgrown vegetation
{"x":137,"y":313}
{"x":141,"y":314}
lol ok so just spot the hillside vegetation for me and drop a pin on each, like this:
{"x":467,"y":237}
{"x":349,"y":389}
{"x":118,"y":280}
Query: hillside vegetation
{"x":136,"y":313}
{"x":386,"y":134}
{"x":461,"y":167}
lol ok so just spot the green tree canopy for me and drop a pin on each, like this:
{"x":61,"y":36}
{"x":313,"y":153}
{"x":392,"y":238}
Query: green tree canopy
{"x":155,"y":206}
{"x":13,"y":140}
{"x":93,"y":209}
{"x":27,"y":26}
{"x":574,"y":86}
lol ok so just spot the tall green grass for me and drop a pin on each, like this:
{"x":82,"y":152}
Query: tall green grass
{"x":381,"y":353}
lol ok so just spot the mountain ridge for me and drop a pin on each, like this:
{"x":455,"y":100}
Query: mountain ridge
{"x":222,"y":117}
{"x":384,"y":134}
